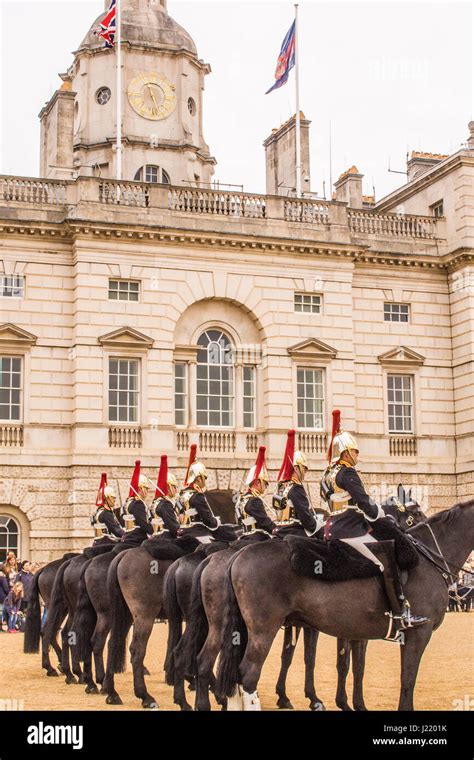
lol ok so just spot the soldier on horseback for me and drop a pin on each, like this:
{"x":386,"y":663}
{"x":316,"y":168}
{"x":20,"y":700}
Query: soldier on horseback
{"x":136,"y":514}
{"x":295,"y":514}
{"x":250,"y":509}
{"x":352,"y":511}
{"x":165,"y":522}
{"x":196,"y":516}
{"x":107,"y":528}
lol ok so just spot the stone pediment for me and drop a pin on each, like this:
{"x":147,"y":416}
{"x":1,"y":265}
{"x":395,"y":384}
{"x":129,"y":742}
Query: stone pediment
{"x":11,"y":335}
{"x":402,"y":356}
{"x":126,"y":337}
{"x":311,"y":348}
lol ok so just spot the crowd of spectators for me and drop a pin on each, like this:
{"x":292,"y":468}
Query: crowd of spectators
{"x":16,"y":578}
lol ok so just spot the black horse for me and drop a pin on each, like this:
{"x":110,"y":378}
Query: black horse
{"x":354,"y":609}
{"x":199,"y":648}
{"x":42,"y":585}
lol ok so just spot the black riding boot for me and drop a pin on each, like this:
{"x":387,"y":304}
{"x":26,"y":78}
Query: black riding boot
{"x":401,"y":616}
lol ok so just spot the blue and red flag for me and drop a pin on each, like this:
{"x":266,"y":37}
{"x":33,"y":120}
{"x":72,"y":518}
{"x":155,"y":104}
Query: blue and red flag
{"x":108,"y":25}
{"x":286,"y":59}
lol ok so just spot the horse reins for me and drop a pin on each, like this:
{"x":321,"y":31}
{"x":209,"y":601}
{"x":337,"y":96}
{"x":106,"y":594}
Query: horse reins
{"x":430,"y":553}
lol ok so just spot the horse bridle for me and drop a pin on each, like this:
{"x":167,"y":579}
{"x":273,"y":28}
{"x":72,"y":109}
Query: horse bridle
{"x":410,"y":520}
{"x":429,"y":553}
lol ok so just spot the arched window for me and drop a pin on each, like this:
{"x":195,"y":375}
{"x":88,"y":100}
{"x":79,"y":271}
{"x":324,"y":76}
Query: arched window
{"x":152,"y":173}
{"x":215,"y":380}
{"x":9,"y":536}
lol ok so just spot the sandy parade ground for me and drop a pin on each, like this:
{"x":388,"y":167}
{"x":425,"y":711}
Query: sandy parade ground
{"x":445,"y":680}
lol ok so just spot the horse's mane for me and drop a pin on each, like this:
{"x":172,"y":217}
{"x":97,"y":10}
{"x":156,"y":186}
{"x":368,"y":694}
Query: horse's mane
{"x":446,"y":515}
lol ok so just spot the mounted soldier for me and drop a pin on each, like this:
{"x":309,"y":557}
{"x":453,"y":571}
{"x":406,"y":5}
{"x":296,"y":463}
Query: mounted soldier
{"x":136,"y":514}
{"x":352,"y":512}
{"x":164,"y":511}
{"x":291,"y":503}
{"x":196,"y":516}
{"x":107,"y":528}
{"x":250,"y":509}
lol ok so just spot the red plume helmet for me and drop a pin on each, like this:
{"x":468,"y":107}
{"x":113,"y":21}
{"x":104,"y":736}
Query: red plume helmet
{"x":134,"y":481}
{"x":287,"y":468}
{"x":162,"y":483}
{"x":259,"y":462}
{"x":336,"y":426}
{"x":99,"y":502}
{"x":192,"y":459}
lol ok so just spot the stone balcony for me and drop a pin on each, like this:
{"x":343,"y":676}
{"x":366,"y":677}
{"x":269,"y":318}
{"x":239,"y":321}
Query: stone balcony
{"x":268,"y":220}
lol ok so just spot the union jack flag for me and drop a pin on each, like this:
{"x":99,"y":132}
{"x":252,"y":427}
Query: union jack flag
{"x":106,"y":28}
{"x":286,"y":59}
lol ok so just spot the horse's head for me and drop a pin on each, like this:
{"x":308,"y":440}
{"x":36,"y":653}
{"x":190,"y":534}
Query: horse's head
{"x":406,"y":510}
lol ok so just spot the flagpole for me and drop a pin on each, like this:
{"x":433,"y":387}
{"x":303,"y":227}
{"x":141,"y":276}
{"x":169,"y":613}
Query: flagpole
{"x":298,"y":120}
{"x":118,"y":44}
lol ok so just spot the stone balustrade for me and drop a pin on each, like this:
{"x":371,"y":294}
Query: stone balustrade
{"x":125,"y":437}
{"x":11,"y":435}
{"x":168,"y":201}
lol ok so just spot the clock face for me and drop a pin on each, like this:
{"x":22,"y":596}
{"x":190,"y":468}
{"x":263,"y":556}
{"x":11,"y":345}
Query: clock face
{"x":152,"y":96}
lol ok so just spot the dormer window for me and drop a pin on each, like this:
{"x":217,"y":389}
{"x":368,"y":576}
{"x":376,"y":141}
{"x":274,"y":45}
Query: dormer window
{"x":153,"y":174}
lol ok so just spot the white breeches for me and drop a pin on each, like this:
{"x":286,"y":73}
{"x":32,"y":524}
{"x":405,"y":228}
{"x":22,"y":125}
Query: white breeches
{"x":360,"y":543}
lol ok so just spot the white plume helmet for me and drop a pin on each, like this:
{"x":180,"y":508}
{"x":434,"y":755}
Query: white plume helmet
{"x":195,"y":471}
{"x":108,"y":491}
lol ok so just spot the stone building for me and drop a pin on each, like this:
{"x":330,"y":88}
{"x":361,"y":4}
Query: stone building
{"x":140,"y":316}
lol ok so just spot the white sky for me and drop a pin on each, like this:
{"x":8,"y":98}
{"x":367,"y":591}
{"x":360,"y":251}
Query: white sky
{"x":389,"y":76}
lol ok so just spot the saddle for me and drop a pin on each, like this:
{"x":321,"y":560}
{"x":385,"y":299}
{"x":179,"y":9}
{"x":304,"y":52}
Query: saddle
{"x":93,"y":551}
{"x":339,"y":562}
{"x":162,"y":548}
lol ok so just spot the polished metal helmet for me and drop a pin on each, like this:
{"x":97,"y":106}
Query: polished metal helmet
{"x":341,"y":443}
{"x":143,"y":482}
{"x":195,"y":470}
{"x":108,"y":491}
{"x":299,"y":458}
{"x":172,"y":480}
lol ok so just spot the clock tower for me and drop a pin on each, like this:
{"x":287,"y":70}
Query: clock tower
{"x":162,"y":104}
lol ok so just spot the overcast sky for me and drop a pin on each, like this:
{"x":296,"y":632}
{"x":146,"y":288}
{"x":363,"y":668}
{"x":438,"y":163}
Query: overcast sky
{"x":390,"y":76}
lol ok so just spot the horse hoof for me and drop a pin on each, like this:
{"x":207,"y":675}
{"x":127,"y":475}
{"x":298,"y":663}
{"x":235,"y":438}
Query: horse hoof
{"x":191,"y":686}
{"x":70,"y":680}
{"x":52,"y":674}
{"x":344,"y":706}
{"x":360,"y":708}
{"x":61,"y":669}
{"x":150,"y":704}
{"x":146,"y":672}
{"x":284,"y":704}
{"x":186,"y":708}
{"x":81,"y":679}
{"x":316,"y":706}
{"x":92,"y":689}
{"x":113,"y":699}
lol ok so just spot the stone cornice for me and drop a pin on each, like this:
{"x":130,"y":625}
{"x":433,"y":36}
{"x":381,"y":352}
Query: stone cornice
{"x":71,"y":229}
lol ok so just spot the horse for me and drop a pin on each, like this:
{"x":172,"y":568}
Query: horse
{"x":353,"y":609}
{"x":201,"y":642}
{"x":92,"y":621}
{"x":42,"y":585}
{"x":63,"y":606}
{"x":135,"y":588}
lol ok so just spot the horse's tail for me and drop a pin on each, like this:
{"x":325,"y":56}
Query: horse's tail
{"x":197,"y":626}
{"x":234,"y":640}
{"x":120,"y":619}
{"x":58,"y":604}
{"x":85,"y":618}
{"x":33,"y":618}
{"x":174,"y":615}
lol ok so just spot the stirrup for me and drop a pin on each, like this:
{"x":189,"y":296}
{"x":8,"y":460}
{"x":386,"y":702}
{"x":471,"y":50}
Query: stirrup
{"x":397,"y":637}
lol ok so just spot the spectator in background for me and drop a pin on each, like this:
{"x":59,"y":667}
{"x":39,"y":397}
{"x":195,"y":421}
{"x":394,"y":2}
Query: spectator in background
{"x":4,"y":591}
{"x":10,"y":568}
{"x":12,"y":604}
{"x":25,"y":576}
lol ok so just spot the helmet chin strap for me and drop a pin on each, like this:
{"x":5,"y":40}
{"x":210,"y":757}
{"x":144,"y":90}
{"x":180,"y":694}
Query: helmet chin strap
{"x":348,"y":452}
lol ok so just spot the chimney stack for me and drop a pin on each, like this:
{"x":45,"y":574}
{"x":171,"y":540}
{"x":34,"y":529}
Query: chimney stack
{"x":349,"y":188}
{"x":280,"y":158}
{"x":420,"y":162}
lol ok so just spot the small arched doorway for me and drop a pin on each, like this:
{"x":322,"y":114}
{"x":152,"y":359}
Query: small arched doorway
{"x":9,"y":536}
